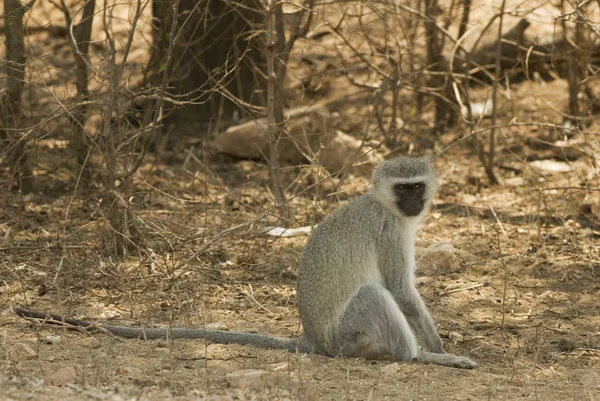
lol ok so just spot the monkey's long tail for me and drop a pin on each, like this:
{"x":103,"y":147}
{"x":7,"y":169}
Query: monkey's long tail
{"x":218,"y":336}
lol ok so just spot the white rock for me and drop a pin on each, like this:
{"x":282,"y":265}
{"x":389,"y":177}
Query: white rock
{"x":551,"y":166}
{"x":481,"y":109}
{"x":289,"y":232}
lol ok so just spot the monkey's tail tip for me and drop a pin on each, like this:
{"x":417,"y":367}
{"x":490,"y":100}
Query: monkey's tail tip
{"x":20,"y":311}
{"x":46,"y":317}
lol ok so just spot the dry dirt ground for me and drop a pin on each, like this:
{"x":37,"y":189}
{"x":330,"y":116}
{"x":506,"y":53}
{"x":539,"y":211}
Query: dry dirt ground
{"x":519,"y":294}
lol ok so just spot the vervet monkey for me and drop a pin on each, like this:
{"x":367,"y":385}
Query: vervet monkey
{"x":356,"y":290}
{"x":356,"y":287}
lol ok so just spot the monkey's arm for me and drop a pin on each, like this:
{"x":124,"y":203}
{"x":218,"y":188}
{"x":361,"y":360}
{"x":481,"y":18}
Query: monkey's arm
{"x":217,"y":336}
{"x":411,"y":304}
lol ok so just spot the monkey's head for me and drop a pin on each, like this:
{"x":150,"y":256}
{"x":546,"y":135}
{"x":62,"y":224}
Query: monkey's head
{"x":405,"y":185}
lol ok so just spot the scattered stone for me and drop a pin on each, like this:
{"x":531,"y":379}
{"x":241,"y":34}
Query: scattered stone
{"x":455,"y":336}
{"x":130,"y":371}
{"x":280,"y":367}
{"x":63,"y":376}
{"x":480,"y":109}
{"x":217,"y":326}
{"x":551,"y":166}
{"x":341,"y":149}
{"x":304,"y":127}
{"x":390,"y":369}
{"x":51,"y":339}
{"x":22,"y":351}
{"x":247,"y":378}
{"x":438,"y":259}
{"x":93,"y":342}
{"x":307,"y":133}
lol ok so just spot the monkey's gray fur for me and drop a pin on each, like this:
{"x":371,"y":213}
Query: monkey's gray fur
{"x":356,"y":290}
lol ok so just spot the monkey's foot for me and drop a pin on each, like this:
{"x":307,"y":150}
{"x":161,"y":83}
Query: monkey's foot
{"x":453,"y":361}
{"x":464,"y":363}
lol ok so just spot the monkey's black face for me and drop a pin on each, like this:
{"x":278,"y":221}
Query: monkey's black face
{"x":410,"y":198}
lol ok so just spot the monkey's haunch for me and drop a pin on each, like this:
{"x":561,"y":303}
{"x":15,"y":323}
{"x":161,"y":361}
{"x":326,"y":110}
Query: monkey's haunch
{"x":217,"y":336}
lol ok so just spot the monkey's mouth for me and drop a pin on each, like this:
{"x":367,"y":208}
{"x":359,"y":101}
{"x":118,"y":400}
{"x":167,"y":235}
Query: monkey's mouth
{"x":410,"y":209}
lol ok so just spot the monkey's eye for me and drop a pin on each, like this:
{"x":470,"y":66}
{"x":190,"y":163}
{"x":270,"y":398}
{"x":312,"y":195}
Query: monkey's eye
{"x":417,"y":185}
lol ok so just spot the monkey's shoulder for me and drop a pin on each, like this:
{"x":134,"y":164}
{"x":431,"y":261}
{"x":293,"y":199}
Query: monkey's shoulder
{"x":362,"y":221}
{"x":364,"y":209}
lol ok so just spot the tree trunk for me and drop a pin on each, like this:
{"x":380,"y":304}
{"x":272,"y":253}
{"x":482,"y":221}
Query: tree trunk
{"x":445,"y":115}
{"x":11,"y":105}
{"x":219,"y":54}
{"x":80,"y":43}
{"x":275,"y":117}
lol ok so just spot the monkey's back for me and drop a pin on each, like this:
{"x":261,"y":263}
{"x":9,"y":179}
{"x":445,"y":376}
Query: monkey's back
{"x":339,"y":257}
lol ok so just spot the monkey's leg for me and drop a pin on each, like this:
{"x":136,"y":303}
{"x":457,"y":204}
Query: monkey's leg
{"x":373,"y":326}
